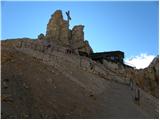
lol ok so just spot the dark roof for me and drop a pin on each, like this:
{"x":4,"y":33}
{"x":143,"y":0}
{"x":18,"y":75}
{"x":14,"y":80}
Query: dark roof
{"x":110,"y":53}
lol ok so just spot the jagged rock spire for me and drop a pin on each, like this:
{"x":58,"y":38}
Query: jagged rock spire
{"x":57,"y":29}
{"x":58,"y":32}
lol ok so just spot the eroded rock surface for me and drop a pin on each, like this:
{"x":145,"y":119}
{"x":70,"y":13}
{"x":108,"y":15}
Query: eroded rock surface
{"x":58,"y":32}
{"x":58,"y":29}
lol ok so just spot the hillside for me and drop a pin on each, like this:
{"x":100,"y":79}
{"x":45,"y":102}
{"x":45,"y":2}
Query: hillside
{"x":36,"y":85}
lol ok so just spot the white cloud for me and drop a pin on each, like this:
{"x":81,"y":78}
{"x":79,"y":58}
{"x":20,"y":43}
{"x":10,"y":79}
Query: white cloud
{"x":140,"y":61}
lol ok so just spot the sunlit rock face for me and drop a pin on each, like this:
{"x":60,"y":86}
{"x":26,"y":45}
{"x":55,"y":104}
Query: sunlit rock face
{"x":58,"y":29}
{"x":58,"y":32}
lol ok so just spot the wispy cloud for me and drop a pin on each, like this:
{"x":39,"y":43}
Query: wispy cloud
{"x":140,"y":61}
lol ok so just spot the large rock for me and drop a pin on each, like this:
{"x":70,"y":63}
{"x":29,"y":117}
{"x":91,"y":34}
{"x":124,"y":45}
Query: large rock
{"x":77,"y":40}
{"x":58,"y":29}
{"x":58,"y":32}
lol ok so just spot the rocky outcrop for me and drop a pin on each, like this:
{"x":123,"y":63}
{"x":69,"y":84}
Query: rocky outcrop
{"x":58,"y":29}
{"x":152,"y":75}
{"x":148,"y":78}
{"x":86,"y":48}
{"x":155,"y":65}
{"x":77,"y":37}
{"x":78,"y":41}
{"x":58,"y":32}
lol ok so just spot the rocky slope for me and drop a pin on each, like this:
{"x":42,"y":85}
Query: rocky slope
{"x":59,"y":85}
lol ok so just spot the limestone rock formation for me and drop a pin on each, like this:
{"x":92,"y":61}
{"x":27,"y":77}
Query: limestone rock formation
{"x":58,"y":32}
{"x":58,"y":29}
{"x":77,"y":40}
{"x":77,"y":36}
{"x":148,"y":78}
{"x":86,"y":48}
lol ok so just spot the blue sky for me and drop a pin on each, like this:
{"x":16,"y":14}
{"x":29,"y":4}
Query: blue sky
{"x":131,"y":27}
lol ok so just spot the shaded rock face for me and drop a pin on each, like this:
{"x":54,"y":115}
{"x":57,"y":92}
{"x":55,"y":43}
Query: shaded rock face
{"x":86,"y":48}
{"x":153,"y":76}
{"x":77,"y":36}
{"x":58,"y":29}
{"x":148,"y":78}
{"x":78,"y":40}
{"x":155,"y":65}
